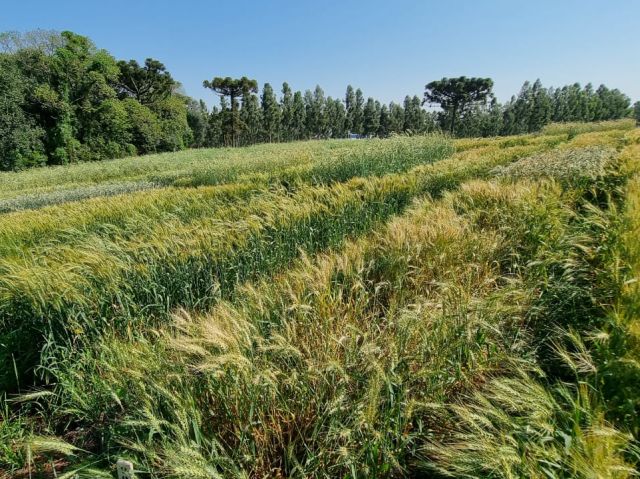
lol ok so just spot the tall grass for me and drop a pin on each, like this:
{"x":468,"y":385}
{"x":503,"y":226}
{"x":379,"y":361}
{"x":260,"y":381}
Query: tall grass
{"x":319,"y":162}
{"x":121,"y":212}
{"x":65,"y":293}
{"x":517,"y":427}
{"x":577,"y":128}
{"x":333,"y":368}
{"x":31,"y":201}
{"x":296,"y":336}
{"x":356,"y":363}
{"x":617,"y":339}
{"x":261,"y":158}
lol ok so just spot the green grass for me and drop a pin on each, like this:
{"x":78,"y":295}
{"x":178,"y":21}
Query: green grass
{"x":577,"y":128}
{"x":354,"y":314}
{"x":320,"y":162}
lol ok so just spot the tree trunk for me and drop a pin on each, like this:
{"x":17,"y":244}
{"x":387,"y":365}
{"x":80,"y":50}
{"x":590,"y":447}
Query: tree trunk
{"x":233,"y":121}
{"x":453,"y":117}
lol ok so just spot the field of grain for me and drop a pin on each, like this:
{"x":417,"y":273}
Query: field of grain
{"x":408,"y":307}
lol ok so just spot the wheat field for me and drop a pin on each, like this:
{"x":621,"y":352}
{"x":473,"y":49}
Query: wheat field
{"x":410,"y":307}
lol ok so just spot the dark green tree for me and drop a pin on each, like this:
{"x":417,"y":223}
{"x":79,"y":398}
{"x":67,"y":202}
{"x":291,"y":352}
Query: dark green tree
{"x":522,"y":108}
{"x":173,"y":123}
{"x":385,"y":122}
{"x":455,"y":95}
{"x":358,"y":113}
{"x":251,"y":120}
{"x":541,"y":108}
{"x":396,"y":118}
{"x":413,"y":115}
{"x":371,"y":118}
{"x":286,"y":106}
{"x":315,"y":108}
{"x":147,"y":84}
{"x":350,"y":106}
{"x":81,"y":80}
{"x":197,"y":118}
{"x":336,"y":118}
{"x":215,"y":134}
{"x":494,"y":119}
{"x":298,"y":117}
{"x":235,"y":89}
{"x":145,"y":128}
{"x":20,"y":138}
{"x":271,"y":115}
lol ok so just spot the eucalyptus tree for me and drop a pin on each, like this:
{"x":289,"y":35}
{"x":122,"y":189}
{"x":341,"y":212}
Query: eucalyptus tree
{"x":396,"y":118}
{"x":336,"y":118}
{"x":385,"y":122}
{"x":271,"y":114}
{"x":315,"y":107}
{"x":251,"y":120}
{"x":286,"y":107}
{"x":350,"y":106}
{"x":197,"y":119}
{"x":371,"y":118}
{"x":413,"y":115}
{"x":215,"y":134}
{"x":358,"y":113}
{"x":298,"y":117}
{"x":541,"y":108}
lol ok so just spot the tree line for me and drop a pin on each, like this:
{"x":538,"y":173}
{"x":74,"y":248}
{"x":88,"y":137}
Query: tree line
{"x":534,"y":107}
{"x":64,"y":100}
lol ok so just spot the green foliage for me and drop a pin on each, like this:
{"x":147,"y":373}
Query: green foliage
{"x":175,"y":133}
{"x":298,"y":117}
{"x":147,"y":84}
{"x":371,"y":118}
{"x":271,"y":115}
{"x":198,"y":119}
{"x":455,"y":95}
{"x":315,"y":113}
{"x":144,"y":126}
{"x":536,"y":106}
{"x":532,"y":110}
{"x":70,"y":102}
{"x":21,"y":143}
{"x":354,"y":104}
{"x":235,"y":89}
{"x":286,"y":107}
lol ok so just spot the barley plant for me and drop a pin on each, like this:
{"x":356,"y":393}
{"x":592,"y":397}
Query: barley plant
{"x":411,"y":307}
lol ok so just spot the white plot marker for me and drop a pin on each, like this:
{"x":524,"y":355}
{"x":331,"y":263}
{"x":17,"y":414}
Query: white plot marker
{"x":125,"y":469}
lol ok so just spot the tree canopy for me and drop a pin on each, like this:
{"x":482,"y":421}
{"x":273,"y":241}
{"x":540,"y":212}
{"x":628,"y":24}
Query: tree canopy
{"x":455,"y":95}
{"x":235,"y":89}
{"x":147,"y":84}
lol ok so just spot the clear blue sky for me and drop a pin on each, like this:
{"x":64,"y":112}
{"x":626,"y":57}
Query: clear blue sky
{"x":387,"y":48}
